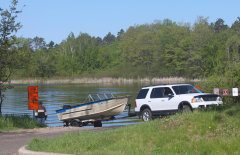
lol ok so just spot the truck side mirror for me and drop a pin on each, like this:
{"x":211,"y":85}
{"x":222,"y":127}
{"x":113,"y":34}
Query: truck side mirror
{"x":170,"y":95}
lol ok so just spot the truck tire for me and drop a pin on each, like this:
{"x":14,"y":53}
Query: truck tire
{"x":146,"y":115}
{"x":185,"y":108}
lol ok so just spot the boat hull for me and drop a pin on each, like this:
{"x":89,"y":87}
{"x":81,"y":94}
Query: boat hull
{"x":99,"y":110}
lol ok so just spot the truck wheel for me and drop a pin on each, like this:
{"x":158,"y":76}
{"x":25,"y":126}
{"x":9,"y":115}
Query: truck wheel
{"x":185,"y":109}
{"x":146,"y":115}
{"x":97,"y":123}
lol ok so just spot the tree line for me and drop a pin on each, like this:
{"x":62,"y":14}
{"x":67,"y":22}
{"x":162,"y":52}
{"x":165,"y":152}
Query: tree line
{"x":161,"y":49}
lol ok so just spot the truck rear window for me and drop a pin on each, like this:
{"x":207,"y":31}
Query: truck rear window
{"x":142,"y":94}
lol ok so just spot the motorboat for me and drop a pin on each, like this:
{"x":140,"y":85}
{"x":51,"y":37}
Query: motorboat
{"x":98,"y":107}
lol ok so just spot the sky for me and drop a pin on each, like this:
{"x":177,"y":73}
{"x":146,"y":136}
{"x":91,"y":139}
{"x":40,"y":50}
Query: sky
{"x":55,"y":19}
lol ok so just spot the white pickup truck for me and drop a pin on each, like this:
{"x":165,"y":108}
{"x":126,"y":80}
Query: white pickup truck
{"x":166,"y":99}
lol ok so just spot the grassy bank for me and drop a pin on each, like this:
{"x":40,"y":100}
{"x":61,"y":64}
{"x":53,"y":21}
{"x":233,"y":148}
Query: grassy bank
{"x":8,"y":123}
{"x":201,"y":132}
{"x":104,"y":80}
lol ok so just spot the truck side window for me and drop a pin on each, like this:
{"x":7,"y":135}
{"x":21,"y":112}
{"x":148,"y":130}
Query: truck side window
{"x":157,"y":93}
{"x":167,"y":92}
{"x":142,"y":94}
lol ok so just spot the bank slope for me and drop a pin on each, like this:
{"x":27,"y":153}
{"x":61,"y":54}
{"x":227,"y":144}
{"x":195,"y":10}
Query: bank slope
{"x":201,"y":132}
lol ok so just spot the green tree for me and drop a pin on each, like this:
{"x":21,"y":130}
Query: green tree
{"x":233,"y":48}
{"x":120,"y":34}
{"x":51,"y":44}
{"x":45,"y":64}
{"x":109,"y":38}
{"x":8,"y":26}
{"x":38,"y":43}
{"x":236,"y":25}
{"x":219,"y":25}
{"x":24,"y":59}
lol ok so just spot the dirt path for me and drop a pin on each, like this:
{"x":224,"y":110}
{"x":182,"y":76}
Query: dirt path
{"x":10,"y":142}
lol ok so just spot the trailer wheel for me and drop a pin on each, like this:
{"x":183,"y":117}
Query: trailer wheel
{"x":97,"y":123}
{"x":66,"y":123}
{"x":84,"y":123}
{"x":74,"y":123}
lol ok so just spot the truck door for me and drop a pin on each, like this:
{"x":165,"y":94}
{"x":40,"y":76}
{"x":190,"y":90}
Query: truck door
{"x":160,"y":98}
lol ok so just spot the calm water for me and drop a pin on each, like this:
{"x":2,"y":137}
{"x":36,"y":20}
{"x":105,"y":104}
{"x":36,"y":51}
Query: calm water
{"x":55,"y":96}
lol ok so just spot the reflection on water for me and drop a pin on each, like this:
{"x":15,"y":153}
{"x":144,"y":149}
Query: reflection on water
{"x":55,"y":96}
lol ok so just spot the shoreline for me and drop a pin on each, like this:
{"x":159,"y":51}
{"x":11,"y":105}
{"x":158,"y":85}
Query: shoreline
{"x":105,"y":80}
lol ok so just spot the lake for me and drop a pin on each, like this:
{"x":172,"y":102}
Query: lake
{"x":55,"y":96}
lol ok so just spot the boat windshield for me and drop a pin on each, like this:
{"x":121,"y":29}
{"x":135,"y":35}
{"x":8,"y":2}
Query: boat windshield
{"x":97,"y":97}
{"x":185,"y":89}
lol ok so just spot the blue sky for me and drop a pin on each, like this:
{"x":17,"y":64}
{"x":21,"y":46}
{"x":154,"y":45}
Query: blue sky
{"x":55,"y":19}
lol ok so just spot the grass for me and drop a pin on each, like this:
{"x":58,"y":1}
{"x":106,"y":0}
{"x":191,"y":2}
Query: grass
{"x":201,"y":132}
{"x":9,"y":123}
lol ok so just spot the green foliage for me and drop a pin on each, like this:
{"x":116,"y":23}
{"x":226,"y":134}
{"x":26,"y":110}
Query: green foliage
{"x":8,"y":26}
{"x":236,"y":25}
{"x":8,"y":123}
{"x":161,"y":49}
{"x":8,"y":49}
{"x":202,"y":132}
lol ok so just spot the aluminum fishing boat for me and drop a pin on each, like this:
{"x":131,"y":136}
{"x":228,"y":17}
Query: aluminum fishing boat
{"x":99,"y":107}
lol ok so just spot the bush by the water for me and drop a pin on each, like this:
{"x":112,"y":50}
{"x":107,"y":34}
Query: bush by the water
{"x":201,"y":132}
{"x":18,"y":122}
